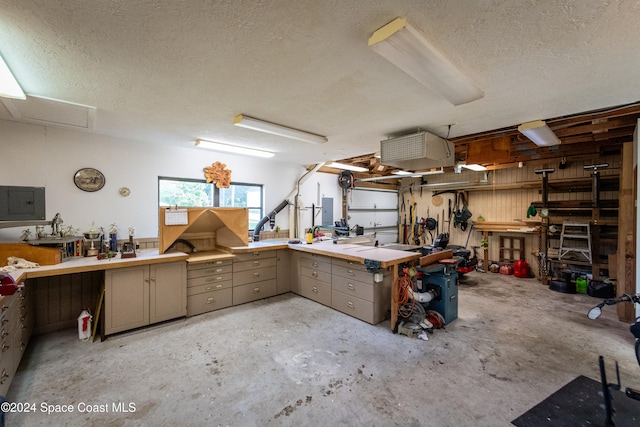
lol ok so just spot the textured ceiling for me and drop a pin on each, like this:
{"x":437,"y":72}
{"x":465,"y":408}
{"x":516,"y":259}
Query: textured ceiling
{"x":173,"y":71}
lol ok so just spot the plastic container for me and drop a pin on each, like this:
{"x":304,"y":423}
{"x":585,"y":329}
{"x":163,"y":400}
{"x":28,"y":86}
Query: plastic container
{"x":521,"y":269}
{"x":581,"y":285}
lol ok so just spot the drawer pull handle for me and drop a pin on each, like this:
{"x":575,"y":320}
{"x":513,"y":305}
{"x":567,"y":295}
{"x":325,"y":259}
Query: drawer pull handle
{"x":350,"y":304}
{"x":314,"y":274}
{"x":5,"y":307}
{"x":4,"y":333}
{"x":218,"y":270}
{"x":5,"y":347}
{"x":256,"y":290}
{"x":350,"y":286}
{"x":256,"y":254}
{"x":351,"y":273}
{"x":315,"y":264}
{"x":256,"y":274}
{"x":256,"y":262}
{"x":210,"y":300}
{"x":218,"y":286}
{"x":4,"y":376}
{"x":5,"y":321}
{"x":315,"y":289}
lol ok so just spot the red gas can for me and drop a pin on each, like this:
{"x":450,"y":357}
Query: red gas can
{"x":521,"y":269}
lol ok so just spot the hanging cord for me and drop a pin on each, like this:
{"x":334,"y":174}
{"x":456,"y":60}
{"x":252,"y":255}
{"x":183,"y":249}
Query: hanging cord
{"x":405,"y":302}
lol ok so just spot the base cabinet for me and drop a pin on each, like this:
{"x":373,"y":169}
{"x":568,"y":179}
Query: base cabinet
{"x":283,"y":271}
{"x":254,"y":276}
{"x":343,"y":285}
{"x":16,"y":320}
{"x":209,"y":286}
{"x":143,"y":295}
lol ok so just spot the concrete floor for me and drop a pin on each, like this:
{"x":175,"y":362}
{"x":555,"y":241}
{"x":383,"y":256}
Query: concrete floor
{"x":290,"y":361}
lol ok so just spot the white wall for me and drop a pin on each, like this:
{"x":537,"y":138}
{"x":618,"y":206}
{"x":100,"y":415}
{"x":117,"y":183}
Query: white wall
{"x":316,"y":186}
{"x":38,"y":156}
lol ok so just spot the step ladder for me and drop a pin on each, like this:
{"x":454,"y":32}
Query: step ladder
{"x":575,"y":238}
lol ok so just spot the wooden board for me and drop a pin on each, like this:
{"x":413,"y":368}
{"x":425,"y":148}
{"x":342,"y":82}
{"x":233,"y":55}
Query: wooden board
{"x":435,"y":257}
{"x":40,"y":254}
{"x":230,"y":226}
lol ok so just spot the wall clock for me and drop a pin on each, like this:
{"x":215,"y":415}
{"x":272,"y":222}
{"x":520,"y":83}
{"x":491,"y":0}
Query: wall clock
{"x":89,"y":179}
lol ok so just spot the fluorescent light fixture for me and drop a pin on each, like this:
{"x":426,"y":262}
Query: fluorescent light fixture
{"x":474,"y":167}
{"x":9,"y":87}
{"x":539,"y":133}
{"x":232,"y":148}
{"x":275,"y":129}
{"x":353,"y":168}
{"x":405,"y":47}
{"x":408,"y":173}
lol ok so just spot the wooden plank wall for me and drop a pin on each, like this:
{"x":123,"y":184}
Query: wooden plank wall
{"x":502,"y":205}
{"x":59,"y":300}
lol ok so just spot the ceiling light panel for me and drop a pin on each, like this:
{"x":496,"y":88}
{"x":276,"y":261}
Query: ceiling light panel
{"x":276,"y":129}
{"x":9,"y":87}
{"x":344,"y":166}
{"x":539,"y":133}
{"x":405,"y":47}
{"x":235,"y":149}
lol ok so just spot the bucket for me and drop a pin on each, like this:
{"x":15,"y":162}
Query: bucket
{"x":581,"y":285}
{"x":521,"y":269}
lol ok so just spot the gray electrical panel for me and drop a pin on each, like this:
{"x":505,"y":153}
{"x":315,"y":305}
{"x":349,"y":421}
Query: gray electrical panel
{"x":21,"y":203}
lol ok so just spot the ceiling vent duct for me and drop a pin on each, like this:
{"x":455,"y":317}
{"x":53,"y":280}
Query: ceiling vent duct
{"x":422,"y":150}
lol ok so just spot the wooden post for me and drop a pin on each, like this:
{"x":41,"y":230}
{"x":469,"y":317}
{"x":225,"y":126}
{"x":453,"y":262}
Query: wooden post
{"x":626,"y":259}
{"x":485,"y":237}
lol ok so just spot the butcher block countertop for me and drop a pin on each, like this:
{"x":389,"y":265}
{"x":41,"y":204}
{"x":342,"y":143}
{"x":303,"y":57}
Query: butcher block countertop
{"x":84,"y":264}
{"x":349,"y":251}
{"x":359,"y":253}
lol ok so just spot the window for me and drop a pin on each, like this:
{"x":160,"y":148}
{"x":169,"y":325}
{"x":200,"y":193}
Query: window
{"x":243,"y":196}
{"x":200,"y":194}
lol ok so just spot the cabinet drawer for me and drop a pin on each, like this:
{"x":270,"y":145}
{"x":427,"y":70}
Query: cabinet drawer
{"x":254,"y":291}
{"x":254,"y":263}
{"x":348,"y":264}
{"x":356,"y":307}
{"x":250,"y":256}
{"x":207,"y":280}
{"x":322,"y":276}
{"x":209,"y":301}
{"x":208,"y":287}
{"x":208,"y":264}
{"x":252,"y":276}
{"x":316,"y":290}
{"x":316,"y":264}
{"x":208,"y":271}
{"x":6,"y":372}
{"x":353,"y":287}
{"x":353,"y":273}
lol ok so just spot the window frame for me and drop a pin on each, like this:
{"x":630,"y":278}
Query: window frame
{"x":216,"y":194}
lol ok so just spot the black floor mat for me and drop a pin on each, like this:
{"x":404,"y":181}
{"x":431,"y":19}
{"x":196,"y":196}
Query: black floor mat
{"x":579,"y":404}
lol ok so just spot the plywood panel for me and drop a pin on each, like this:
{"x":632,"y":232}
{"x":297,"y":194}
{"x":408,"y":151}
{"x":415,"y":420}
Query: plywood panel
{"x":60,"y":299}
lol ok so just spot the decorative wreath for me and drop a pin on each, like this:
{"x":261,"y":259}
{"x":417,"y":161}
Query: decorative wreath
{"x":217,"y":174}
